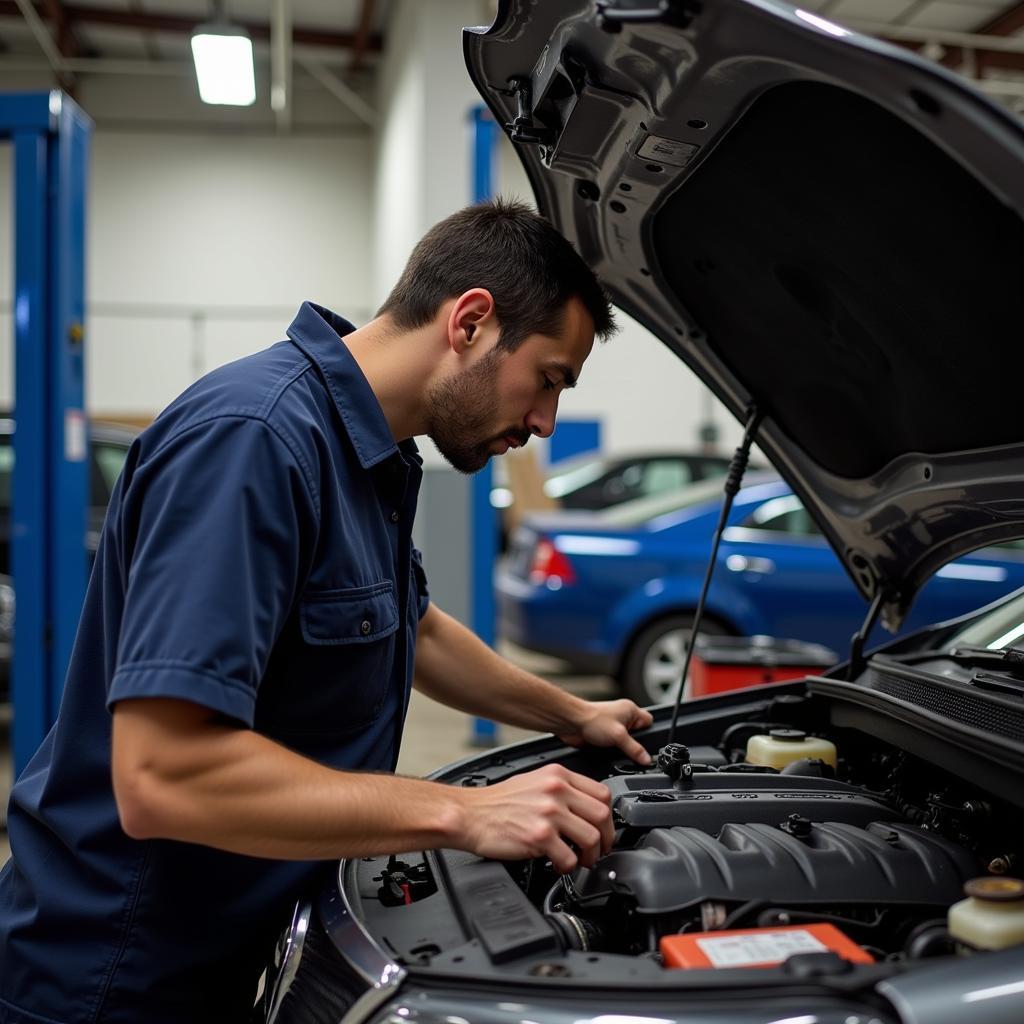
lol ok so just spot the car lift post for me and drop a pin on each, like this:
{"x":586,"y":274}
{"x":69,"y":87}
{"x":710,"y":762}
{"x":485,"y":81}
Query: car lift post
{"x":485,"y":548}
{"x":50,"y":136}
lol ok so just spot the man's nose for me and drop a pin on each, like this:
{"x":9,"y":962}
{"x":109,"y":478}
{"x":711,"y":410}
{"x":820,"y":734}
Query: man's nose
{"x":541,"y":422}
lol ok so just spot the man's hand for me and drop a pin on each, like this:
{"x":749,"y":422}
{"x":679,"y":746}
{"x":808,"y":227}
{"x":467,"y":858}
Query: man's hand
{"x":608,"y":723}
{"x":533,"y":815}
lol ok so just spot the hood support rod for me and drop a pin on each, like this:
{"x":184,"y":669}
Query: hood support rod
{"x":857,"y":660}
{"x":737,"y":467}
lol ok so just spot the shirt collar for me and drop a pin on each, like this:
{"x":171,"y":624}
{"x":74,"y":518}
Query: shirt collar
{"x":317,"y":332}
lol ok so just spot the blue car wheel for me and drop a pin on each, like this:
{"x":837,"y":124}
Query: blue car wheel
{"x":653,"y":665}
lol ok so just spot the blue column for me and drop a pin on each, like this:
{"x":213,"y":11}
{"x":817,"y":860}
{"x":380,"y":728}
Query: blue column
{"x":50,"y":484}
{"x":485,"y":546}
{"x":29,"y":527}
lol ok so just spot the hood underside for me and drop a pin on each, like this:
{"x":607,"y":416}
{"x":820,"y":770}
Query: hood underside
{"x":825,"y":228}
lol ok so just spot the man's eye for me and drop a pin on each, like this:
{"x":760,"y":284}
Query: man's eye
{"x":549,"y":384}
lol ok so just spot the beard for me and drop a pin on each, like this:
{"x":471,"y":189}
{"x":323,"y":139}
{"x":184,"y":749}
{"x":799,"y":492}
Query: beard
{"x":461,"y":411}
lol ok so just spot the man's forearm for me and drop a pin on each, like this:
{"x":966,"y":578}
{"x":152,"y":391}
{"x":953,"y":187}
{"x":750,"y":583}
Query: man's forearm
{"x":192,"y":778}
{"x":455,"y":667}
{"x":181,"y":773}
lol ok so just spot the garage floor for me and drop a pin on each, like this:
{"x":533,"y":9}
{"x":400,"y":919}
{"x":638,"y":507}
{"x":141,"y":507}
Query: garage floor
{"x":434,"y":735}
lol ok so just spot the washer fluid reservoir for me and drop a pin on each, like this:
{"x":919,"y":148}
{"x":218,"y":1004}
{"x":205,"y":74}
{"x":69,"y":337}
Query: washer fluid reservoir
{"x":992,"y":916}
{"x":784,"y":746}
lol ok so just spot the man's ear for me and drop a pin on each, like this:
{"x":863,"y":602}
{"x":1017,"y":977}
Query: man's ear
{"x":470,"y":317}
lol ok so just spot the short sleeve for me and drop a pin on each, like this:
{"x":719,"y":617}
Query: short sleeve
{"x":420,"y":578}
{"x":216,"y":526}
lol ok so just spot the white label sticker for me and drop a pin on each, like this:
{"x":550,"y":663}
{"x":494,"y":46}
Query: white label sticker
{"x":75,"y":445}
{"x":764,"y":948}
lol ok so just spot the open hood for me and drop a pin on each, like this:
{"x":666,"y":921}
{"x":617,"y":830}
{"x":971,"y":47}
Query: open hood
{"x":823,"y":227}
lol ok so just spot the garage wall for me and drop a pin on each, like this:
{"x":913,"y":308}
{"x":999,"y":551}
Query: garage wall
{"x":200,"y":249}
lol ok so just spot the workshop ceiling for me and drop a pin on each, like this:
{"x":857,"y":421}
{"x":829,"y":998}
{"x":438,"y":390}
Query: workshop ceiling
{"x":129,"y":61}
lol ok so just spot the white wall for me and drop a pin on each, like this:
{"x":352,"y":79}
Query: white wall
{"x":424,"y":148}
{"x":200,"y":249}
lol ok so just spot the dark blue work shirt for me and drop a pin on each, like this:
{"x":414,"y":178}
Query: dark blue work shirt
{"x":256,"y":559}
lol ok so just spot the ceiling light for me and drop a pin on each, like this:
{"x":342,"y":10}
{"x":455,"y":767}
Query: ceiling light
{"x":224,"y":68}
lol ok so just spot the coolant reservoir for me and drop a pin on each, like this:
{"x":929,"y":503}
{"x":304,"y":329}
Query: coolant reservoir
{"x":992,"y":916}
{"x":783,"y":746}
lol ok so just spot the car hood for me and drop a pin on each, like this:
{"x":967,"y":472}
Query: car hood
{"x":825,"y":228}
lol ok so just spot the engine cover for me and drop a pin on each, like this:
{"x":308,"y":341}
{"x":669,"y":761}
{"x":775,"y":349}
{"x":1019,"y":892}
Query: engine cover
{"x":831,"y":863}
{"x":711,"y":800}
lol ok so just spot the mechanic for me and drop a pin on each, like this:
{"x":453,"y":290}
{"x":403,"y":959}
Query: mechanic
{"x":255,"y":617}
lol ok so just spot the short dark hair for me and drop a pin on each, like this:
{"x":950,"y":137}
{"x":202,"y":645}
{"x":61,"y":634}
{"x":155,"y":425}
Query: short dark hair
{"x":502,"y":245}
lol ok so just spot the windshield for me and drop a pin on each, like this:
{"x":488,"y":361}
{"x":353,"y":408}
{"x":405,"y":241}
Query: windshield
{"x":1001,"y":628}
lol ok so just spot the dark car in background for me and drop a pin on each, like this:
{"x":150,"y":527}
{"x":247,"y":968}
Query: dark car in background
{"x":596,"y":482}
{"x":108,"y":448}
{"x":606,"y":481}
{"x":830,"y":232}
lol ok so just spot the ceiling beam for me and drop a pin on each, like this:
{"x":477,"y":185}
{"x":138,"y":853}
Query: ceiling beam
{"x":42,"y":36}
{"x":340,"y":90}
{"x":1005,"y":24}
{"x":152,"y":22}
{"x":1008,"y":23}
{"x":362,"y":38}
{"x":281,"y":64}
{"x":66,"y":42}
{"x":989,"y":50}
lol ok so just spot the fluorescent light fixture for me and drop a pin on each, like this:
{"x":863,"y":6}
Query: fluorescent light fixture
{"x":223,"y":57}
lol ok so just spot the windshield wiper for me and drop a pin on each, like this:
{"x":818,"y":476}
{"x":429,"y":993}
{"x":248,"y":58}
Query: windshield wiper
{"x":1008,"y":659}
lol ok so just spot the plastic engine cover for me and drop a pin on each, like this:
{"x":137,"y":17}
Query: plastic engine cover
{"x":834,"y":863}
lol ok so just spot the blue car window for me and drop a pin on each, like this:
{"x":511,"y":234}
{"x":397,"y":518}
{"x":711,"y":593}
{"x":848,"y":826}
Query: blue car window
{"x":783,"y":515}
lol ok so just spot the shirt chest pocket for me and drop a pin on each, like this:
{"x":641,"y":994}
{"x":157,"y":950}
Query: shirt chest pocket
{"x":349,"y":639}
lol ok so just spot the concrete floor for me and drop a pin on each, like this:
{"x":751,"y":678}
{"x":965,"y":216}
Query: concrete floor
{"x":434,"y":735}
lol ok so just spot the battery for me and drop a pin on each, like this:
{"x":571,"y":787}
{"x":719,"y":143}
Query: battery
{"x":758,"y":947}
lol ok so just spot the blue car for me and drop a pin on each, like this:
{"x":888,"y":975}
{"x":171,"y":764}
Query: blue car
{"x":614,"y":592}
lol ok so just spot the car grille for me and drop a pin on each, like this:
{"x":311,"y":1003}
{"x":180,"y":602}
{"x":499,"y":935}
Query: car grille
{"x":985,"y":713}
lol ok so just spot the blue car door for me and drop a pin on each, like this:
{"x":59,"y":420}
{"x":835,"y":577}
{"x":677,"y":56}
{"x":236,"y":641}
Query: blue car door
{"x":969,"y":583}
{"x":778,"y":563}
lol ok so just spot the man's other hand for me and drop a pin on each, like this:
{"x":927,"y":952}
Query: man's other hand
{"x":608,"y":723}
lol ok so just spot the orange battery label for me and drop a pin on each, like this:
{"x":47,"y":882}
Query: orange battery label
{"x":758,"y":947}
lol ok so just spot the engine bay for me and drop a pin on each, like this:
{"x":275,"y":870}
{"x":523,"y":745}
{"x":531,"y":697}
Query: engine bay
{"x":827,"y":864}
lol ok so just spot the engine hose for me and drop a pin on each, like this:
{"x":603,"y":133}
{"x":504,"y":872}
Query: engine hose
{"x":930,"y":938}
{"x":575,"y":932}
{"x":726,"y":742}
{"x":548,"y":906}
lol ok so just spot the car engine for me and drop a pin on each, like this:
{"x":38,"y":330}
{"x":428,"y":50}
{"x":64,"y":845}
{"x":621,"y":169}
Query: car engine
{"x":840,"y":865}
{"x":719,"y":846}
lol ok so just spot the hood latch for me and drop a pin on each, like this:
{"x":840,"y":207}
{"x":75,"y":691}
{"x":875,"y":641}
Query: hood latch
{"x":523,"y":129}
